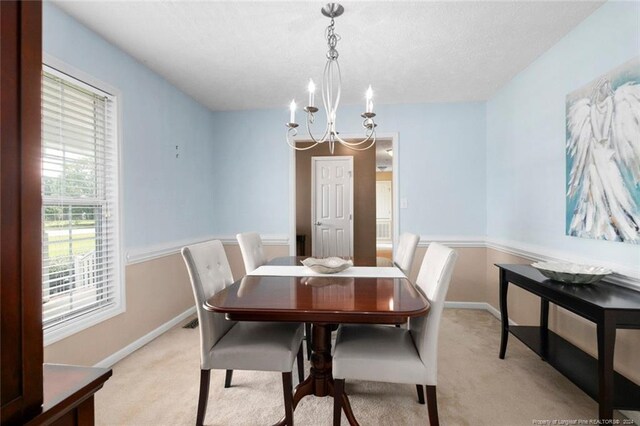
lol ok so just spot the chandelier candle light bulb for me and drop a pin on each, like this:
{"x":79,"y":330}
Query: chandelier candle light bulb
{"x":292,"y":108}
{"x":331,"y":90}
{"x":312,"y":92}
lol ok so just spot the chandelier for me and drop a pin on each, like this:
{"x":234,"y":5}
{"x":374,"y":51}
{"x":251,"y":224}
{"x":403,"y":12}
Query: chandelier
{"x":331,"y":89}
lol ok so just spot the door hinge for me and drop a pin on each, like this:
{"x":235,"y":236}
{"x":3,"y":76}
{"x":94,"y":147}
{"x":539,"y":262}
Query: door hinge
{"x":350,"y":173}
{"x":350,"y":216}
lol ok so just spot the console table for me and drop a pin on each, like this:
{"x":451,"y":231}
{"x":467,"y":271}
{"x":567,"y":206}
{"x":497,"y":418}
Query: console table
{"x":606,"y":304}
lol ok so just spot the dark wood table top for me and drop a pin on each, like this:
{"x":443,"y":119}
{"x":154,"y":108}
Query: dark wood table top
{"x":321,"y":299}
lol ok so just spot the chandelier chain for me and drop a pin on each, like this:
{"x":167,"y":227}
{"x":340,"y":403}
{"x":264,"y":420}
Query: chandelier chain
{"x":332,"y":41}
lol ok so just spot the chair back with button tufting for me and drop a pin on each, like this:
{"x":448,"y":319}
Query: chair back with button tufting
{"x":209,"y":272}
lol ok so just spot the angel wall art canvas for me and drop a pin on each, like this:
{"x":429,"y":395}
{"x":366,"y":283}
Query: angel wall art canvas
{"x":603,"y":157}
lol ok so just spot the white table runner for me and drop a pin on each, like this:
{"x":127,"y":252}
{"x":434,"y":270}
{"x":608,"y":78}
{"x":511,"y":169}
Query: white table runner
{"x":303,"y":271}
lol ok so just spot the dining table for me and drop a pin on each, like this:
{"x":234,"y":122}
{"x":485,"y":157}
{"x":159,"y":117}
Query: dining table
{"x":285,"y":290}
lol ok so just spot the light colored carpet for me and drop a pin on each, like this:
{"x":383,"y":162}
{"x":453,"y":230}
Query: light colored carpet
{"x":158,"y":385}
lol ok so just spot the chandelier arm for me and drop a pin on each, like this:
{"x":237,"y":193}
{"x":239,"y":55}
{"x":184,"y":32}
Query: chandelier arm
{"x":291,"y":133}
{"x":368,"y":137}
{"x":370,"y":132}
{"x":373,"y":141}
{"x":335,"y":107}
{"x":316,"y":140}
{"x":327,"y":98}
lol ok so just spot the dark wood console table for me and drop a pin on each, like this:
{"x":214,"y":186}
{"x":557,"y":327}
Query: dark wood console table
{"x":68,"y":394}
{"x":606,"y":304}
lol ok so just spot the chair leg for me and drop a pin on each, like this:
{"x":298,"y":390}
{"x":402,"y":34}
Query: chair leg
{"x":420,"y":390}
{"x":300,"y":364}
{"x":288,"y":398}
{"x":205,"y":376}
{"x":432,"y":406}
{"x":307,"y":333}
{"x":338,"y":391}
{"x":227,"y":378}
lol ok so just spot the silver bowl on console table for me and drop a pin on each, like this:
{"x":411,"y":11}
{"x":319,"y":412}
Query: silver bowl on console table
{"x":571,"y":273}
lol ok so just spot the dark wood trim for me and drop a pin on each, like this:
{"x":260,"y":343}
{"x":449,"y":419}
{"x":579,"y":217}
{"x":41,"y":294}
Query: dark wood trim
{"x":227,"y":378}
{"x":300,"y":362}
{"x":20,"y":188}
{"x":432,"y":406}
{"x":420,"y":390}
{"x":31,"y":194}
{"x":287,"y":385}
{"x":320,"y":317}
{"x":504,"y":314}
{"x":606,"y":331}
{"x":337,"y":401}
{"x":203,"y":396}
{"x":307,"y":338}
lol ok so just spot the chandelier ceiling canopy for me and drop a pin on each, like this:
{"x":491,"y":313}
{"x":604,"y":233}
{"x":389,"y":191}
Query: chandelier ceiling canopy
{"x":331,"y":89}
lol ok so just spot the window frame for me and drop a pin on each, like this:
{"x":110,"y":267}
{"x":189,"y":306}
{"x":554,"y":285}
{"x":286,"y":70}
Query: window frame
{"x":80,"y":78}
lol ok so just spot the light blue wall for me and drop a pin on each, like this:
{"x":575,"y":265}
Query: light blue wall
{"x":441,"y":154}
{"x":233,"y":170}
{"x":165,"y":198}
{"x":526,"y":136}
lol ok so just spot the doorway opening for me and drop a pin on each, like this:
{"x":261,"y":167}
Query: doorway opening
{"x":384,"y":199}
{"x":369,"y":226}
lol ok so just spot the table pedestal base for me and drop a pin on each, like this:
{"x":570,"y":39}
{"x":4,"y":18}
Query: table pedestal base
{"x":320,"y":380}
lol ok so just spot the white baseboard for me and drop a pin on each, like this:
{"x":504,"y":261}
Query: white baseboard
{"x":129,"y":349}
{"x":483,"y":306}
{"x":466,"y":305}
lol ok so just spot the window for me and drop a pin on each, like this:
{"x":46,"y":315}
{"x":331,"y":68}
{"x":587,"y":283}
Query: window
{"x":81,"y":258}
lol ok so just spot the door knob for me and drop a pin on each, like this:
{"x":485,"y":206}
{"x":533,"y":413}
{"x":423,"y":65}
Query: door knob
{"x":318,"y":224}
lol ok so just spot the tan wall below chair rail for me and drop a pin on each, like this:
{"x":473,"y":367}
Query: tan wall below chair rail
{"x":158,"y":291}
{"x":235,"y":257}
{"x":467,"y":282}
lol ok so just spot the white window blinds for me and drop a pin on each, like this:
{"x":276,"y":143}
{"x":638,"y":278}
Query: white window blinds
{"x":81,"y":268}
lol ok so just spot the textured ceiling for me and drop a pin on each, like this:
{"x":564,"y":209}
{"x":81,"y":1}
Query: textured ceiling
{"x":245,"y":55}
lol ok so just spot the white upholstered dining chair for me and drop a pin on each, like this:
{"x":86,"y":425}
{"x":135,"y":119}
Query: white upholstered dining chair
{"x":405,"y":252}
{"x":395,"y":355}
{"x":253,"y":257}
{"x":252,"y":251}
{"x":230,"y":345}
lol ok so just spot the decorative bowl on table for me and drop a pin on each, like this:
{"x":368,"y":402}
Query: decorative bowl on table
{"x":571,"y":272}
{"x":329,"y":265}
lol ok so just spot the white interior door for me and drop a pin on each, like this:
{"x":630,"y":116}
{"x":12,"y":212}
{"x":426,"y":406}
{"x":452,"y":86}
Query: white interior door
{"x":332,"y":206}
